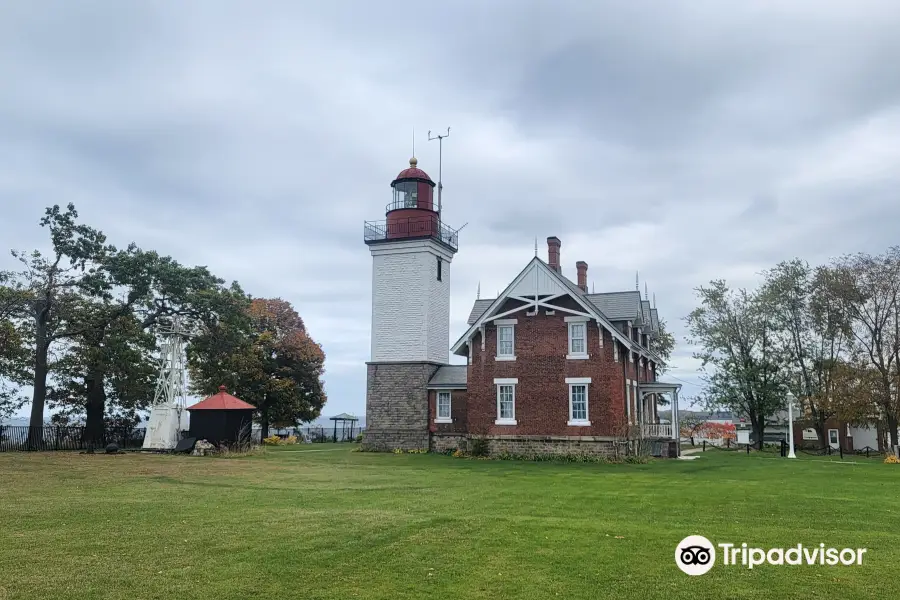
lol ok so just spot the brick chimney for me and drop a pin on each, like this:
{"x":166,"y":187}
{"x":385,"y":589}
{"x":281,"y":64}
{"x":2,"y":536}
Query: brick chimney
{"x":553,"y":245}
{"x":582,"y":266}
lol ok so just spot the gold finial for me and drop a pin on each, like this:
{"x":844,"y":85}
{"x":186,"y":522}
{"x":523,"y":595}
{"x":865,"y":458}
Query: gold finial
{"x":413,"y":162}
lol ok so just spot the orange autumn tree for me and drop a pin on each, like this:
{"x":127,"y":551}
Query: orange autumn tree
{"x":266,"y":358}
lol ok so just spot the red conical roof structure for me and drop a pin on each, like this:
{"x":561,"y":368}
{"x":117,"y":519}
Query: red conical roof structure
{"x":222,"y":401}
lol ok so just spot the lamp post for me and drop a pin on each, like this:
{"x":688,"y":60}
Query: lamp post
{"x":790,"y":401}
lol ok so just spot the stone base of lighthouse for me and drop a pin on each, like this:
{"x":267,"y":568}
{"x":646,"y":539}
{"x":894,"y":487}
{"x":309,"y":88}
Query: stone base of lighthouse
{"x":397,"y":405}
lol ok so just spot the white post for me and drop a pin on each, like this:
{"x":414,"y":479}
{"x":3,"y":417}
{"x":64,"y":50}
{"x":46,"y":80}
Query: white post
{"x":790,"y":400}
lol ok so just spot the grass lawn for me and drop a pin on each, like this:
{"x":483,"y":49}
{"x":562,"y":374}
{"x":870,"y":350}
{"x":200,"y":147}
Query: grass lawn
{"x":324,"y":522}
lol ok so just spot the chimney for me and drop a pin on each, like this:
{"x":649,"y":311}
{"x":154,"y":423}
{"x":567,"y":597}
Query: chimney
{"x":553,"y":245}
{"x":581,"y":267}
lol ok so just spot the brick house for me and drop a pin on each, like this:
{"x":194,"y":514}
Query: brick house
{"x":548,"y":366}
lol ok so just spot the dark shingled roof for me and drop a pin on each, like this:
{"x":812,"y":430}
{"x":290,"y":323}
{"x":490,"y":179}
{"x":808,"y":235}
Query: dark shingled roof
{"x":450,"y":376}
{"x":478,"y":309}
{"x":618,"y":306}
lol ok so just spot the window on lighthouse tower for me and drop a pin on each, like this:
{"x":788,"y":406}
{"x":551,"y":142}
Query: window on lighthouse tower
{"x":406,"y":194}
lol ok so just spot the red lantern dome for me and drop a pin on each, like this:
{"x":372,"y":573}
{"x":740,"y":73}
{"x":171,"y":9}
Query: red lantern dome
{"x":412,"y":212}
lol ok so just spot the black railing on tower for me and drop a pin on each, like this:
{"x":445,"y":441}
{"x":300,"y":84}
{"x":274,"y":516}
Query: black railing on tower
{"x":412,"y":227}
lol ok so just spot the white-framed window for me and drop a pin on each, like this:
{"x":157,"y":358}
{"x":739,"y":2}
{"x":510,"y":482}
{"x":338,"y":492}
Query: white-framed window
{"x":578,"y":401}
{"x":506,"y":339}
{"x":443,"y":408}
{"x":506,"y":401}
{"x":577,"y":337}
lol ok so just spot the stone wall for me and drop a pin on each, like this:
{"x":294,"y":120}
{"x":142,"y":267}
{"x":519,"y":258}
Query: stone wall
{"x":443,"y":442}
{"x":397,"y":405}
{"x":531,"y":445}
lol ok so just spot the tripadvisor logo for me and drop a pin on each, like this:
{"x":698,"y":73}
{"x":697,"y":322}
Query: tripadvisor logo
{"x":696,"y":555}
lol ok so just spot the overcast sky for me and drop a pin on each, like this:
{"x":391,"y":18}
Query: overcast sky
{"x":685,"y":140}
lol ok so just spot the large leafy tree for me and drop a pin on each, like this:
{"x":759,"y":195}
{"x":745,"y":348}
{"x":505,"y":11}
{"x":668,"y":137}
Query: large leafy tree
{"x":110,"y":368}
{"x":868,"y":288}
{"x":52,"y":286}
{"x":811,"y":333}
{"x":734,"y":336}
{"x":267,"y":358}
{"x":15,"y":356}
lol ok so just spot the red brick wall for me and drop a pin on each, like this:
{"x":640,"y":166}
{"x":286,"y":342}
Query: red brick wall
{"x":457,"y":412}
{"x":542,"y":395}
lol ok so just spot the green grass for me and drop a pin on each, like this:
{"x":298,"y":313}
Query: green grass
{"x":340,"y":524}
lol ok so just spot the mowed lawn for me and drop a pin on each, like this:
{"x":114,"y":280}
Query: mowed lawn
{"x":324,"y":522}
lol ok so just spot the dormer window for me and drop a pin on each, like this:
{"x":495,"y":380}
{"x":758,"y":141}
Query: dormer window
{"x":577,"y":337}
{"x":506,"y":339}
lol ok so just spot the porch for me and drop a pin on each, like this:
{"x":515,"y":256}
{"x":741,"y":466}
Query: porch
{"x":648,"y":421}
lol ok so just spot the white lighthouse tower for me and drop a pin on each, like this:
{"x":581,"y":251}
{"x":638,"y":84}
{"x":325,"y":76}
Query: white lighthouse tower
{"x":411,"y":254}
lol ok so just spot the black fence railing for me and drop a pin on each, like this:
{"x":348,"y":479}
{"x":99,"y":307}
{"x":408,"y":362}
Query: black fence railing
{"x":14,"y":438}
{"x":315,"y":434}
{"x":411,"y":227}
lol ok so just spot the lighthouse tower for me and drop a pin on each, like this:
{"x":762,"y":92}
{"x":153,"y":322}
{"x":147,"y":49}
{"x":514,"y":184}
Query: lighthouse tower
{"x":411,"y":254}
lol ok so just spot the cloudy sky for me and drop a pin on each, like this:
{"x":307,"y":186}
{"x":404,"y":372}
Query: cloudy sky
{"x":685,"y":140}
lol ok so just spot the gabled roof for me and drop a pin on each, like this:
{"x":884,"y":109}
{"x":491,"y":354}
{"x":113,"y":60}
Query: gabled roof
{"x":654,"y":319}
{"x":449,"y":377}
{"x":645,"y":314}
{"x":544,"y":280}
{"x":343,"y":417}
{"x":618,"y":306}
{"x":478,"y":309}
{"x":222,"y":401}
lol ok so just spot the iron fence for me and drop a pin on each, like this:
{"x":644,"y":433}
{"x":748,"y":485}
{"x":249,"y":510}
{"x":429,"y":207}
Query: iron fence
{"x":14,"y":438}
{"x":315,"y":434}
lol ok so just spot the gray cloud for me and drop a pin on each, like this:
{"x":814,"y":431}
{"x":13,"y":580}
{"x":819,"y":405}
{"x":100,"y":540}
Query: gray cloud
{"x":683,"y":140}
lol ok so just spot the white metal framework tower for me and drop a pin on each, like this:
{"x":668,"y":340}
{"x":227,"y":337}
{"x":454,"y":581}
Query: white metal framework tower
{"x":170,"y":400}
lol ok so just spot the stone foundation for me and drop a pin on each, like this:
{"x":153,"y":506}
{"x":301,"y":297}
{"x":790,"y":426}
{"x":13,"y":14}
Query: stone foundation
{"x":448,"y":441}
{"x":544,"y":445}
{"x":530,"y":445}
{"x":397,"y":405}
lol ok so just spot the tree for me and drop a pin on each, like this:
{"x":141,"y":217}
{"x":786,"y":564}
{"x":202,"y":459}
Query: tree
{"x":663,"y":345}
{"x":734,"y":336}
{"x":266,"y":357}
{"x":868,"y":289}
{"x":810,"y":331}
{"x":15,"y":355}
{"x":691,"y":426}
{"x":52,"y":285}
{"x":110,"y":368}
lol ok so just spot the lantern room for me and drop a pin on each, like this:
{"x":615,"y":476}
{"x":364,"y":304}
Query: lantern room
{"x":412,"y":213}
{"x":413,"y":188}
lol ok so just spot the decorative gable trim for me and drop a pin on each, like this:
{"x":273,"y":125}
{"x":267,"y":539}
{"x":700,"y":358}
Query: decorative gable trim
{"x":536,"y":280}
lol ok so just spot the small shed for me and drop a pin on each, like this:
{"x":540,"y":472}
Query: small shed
{"x":347,"y":425}
{"x":221,"y":419}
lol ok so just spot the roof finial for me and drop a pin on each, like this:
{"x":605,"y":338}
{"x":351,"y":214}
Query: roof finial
{"x":593,"y":288}
{"x":637,"y":281}
{"x":654,"y":299}
{"x":535,"y":245}
{"x":646,"y":293}
{"x":478,"y":292}
{"x":414,"y":141}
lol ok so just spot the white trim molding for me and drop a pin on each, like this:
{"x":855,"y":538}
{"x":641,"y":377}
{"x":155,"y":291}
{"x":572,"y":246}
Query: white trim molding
{"x":437,"y":408}
{"x":506,"y":324}
{"x":579,"y":382}
{"x":575,"y":322}
{"x":511,"y":383}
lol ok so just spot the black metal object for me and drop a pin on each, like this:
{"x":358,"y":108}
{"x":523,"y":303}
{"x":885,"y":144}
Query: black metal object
{"x":185,"y":445}
{"x":15,"y":438}
{"x":410,"y":228}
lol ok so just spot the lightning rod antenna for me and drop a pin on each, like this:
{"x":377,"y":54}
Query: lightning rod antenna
{"x":440,"y":186}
